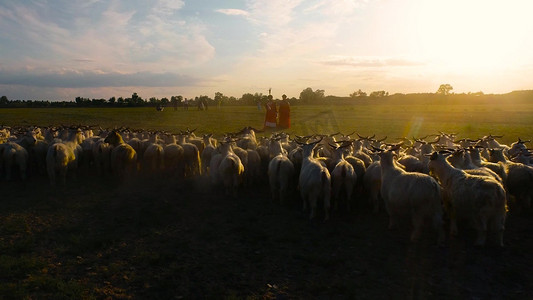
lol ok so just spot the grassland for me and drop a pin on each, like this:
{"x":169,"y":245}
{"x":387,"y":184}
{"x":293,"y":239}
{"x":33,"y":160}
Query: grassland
{"x":165,"y":238}
{"x":383,"y":119}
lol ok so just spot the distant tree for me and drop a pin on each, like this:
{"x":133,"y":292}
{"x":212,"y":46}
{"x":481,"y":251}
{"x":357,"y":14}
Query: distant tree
{"x":164,"y":101}
{"x":3,"y":100}
{"x":152,"y":100}
{"x":248,"y":99}
{"x":308,"y":96}
{"x":358,"y":93}
{"x":220,"y":98}
{"x":379,"y":94}
{"x":112,"y":100}
{"x":444,"y":89}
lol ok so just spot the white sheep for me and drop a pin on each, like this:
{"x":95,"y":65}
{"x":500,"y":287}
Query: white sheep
{"x":123,"y":156}
{"x":343,"y":177}
{"x":173,"y":157}
{"x":207,"y":153}
{"x":191,"y":156}
{"x":518,"y":181}
{"x":230,"y":170}
{"x":517,"y":148}
{"x":280,"y":177}
{"x":247,"y":138}
{"x":410,"y":194}
{"x":314,"y":181}
{"x":154,"y":159}
{"x":102,"y":156}
{"x":63,"y":157}
{"x":372,"y":184}
{"x":11,"y":155}
{"x":475,"y":157}
{"x":477,"y":199}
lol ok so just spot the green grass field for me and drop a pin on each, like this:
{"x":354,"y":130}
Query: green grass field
{"x":392,"y":120}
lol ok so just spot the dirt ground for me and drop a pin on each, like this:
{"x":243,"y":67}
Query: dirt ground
{"x":159,"y":239}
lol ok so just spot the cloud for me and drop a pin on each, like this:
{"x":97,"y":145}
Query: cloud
{"x":337,"y":8}
{"x":371,"y":62}
{"x":233,"y":12}
{"x":84,"y":79}
{"x":168,"y":7}
{"x":116,"y":35}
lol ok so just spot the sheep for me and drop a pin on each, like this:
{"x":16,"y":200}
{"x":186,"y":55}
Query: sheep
{"x":191,"y":138}
{"x":462,"y":160}
{"x":413,"y":164}
{"x":253,"y":171}
{"x":230,"y":169}
{"x":445,"y":140}
{"x":357,"y":152}
{"x":102,"y":156}
{"x":343,"y":177}
{"x":173,"y":157}
{"x":154,"y":159}
{"x":280,"y":175}
{"x":489,"y":142}
{"x":479,"y":199}
{"x":409,"y":193}
{"x":523,"y":157}
{"x":359,"y":168}
{"x":475,"y":157}
{"x":191,"y":156}
{"x":207,"y":153}
{"x":314,"y":181}
{"x":123,"y":156}
{"x":64,"y":156}
{"x":37,"y":156}
{"x":247,"y":138}
{"x":517,"y":147}
{"x":372,"y":184}
{"x":518,"y":181}
{"x":13,"y":154}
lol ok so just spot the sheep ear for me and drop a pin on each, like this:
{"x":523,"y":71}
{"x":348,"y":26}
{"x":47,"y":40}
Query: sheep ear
{"x":374,"y":149}
{"x":433,"y":156}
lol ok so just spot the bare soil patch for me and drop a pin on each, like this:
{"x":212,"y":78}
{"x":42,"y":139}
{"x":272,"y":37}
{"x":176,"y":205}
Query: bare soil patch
{"x":169,"y":239}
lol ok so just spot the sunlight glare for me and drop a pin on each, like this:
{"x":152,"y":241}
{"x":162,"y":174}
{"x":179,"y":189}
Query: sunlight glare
{"x":477,"y":36}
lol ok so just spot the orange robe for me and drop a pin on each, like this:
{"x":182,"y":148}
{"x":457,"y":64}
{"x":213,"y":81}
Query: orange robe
{"x":271,"y":115}
{"x":284,"y":115}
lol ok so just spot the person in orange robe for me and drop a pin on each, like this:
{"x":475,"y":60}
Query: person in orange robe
{"x":284,"y":113}
{"x":271,"y":114}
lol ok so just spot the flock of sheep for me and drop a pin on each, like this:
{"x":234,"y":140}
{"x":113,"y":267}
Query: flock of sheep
{"x":423,"y":180}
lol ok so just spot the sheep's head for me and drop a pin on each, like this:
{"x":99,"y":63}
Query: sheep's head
{"x":114,"y":138}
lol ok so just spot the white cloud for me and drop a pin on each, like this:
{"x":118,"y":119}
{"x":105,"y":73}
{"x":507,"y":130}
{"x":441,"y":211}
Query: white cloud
{"x":168,"y":7}
{"x":232,"y":12}
{"x":372,"y":62}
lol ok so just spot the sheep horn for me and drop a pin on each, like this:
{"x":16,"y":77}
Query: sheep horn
{"x":350,"y":134}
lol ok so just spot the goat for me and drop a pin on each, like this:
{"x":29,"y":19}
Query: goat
{"x":63,"y":156}
{"x":343,"y":177}
{"x":479,"y":199}
{"x":123,"y":156}
{"x":280,"y":174}
{"x":409,"y":193}
{"x":314,"y":181}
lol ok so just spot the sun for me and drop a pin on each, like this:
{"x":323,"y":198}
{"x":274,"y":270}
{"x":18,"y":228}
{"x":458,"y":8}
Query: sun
{"x":476,"y":36}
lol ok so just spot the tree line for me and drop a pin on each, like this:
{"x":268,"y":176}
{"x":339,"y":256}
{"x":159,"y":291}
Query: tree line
{"x":307,"y":96}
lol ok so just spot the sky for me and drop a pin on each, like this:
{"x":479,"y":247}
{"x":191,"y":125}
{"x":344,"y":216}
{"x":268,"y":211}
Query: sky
{"x":62,"y":49}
